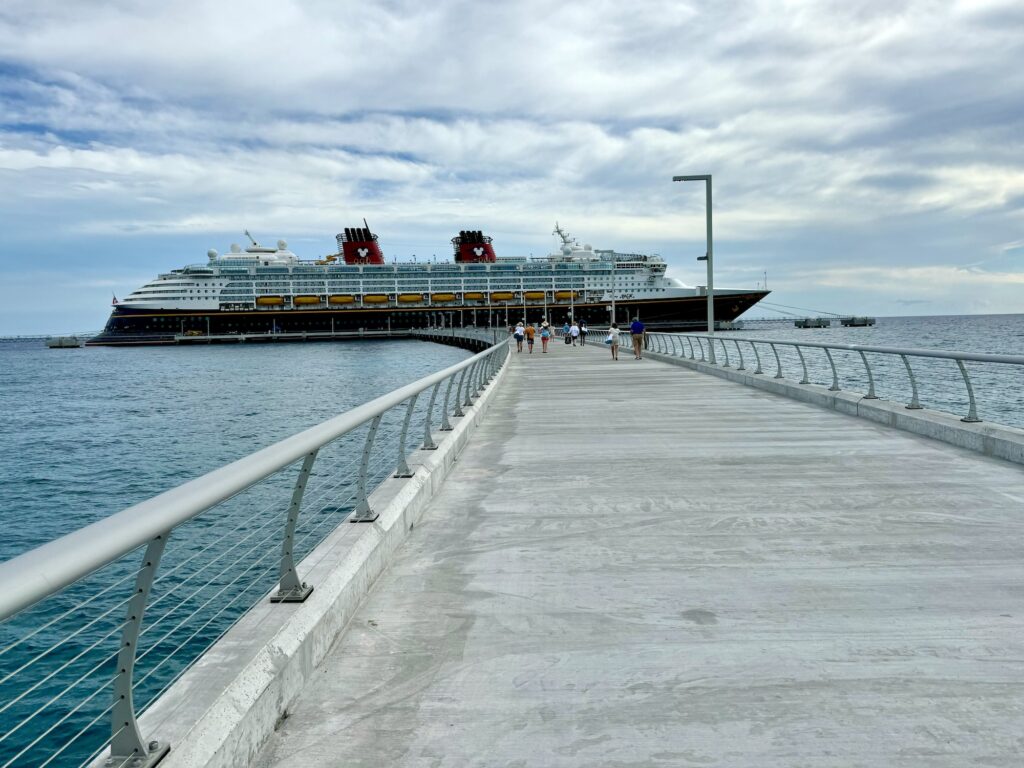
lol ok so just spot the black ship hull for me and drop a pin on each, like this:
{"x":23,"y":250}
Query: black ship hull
{"x":132,"y":327}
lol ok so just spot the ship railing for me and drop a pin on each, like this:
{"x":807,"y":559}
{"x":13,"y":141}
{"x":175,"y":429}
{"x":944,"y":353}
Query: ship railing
{"x":95,"y":625}
{"x":911,"y":375}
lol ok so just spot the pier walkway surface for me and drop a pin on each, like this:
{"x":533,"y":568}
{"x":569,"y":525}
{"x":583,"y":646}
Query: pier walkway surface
{"x":636,"y":564}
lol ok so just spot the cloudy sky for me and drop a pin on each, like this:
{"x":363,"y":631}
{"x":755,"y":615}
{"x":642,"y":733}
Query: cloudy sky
{"x":868,"y":155}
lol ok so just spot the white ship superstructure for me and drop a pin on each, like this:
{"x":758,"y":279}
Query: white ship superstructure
{"x":239,"y":291}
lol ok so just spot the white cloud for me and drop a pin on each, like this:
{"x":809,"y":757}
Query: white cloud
{"x":836,"y":132}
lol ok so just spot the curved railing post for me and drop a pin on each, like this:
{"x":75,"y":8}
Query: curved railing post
{"x":778,"y":362}
{"x":914,"y":404}
{"x":972,"y":411}
{"x":871,"y":379}
{"x":803,"y":364}
{"x":458,"y":394}
{"x":662,"y":343}
{"x":740,"y":353}
{"x":362,"y":513}
{"x":402,"y":470}
{"x":428,"y":439}
{"x":674,"y":339}
{"x":757,"y":356}
{"x":446,"y":426}
{"x":835,"y":374}
{"x":693,"y":355}
{"x":468,"y":401}
{"x":725,"y":349}
{"x":290,"y":589}
{"x":700,"y":343}
{"x":127,"y":747}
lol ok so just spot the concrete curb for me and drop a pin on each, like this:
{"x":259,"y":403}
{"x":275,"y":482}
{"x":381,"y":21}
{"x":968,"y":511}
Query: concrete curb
{"x":223,"y":709}
{"x":989,"y":439}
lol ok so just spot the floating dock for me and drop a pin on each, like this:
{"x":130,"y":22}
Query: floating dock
{"x":857,"y":321}
{"x":813,"y":322}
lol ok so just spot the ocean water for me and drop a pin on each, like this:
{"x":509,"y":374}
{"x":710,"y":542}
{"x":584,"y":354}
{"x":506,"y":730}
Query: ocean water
{"x":85,"y":433}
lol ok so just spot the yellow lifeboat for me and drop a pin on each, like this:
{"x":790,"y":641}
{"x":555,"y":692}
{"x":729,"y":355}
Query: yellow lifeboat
{"x":341,"y":299}
{"x":534,"y":295}
{"x":306,"y":300}
{"x":442,"y":297}
{"x":501,"y":296}
{"x":473,"y":296}
{"x":375,"y":298}
{"x":567,"y":294}
{"x":269,"y":301}
{"x":410,"y":298}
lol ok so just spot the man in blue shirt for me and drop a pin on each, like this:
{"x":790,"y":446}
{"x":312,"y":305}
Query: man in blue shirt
{"x":636,"y":330}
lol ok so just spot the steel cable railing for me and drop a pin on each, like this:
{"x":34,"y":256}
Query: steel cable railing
{"x":857,"y":364}
{"x":229,"y":536}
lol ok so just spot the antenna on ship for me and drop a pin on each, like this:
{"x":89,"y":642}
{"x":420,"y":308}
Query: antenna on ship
{"x":252,"y":239}
{"x":566,"y":240}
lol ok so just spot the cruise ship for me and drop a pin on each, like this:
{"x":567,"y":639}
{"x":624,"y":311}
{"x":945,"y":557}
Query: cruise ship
{"x":269,"y":291}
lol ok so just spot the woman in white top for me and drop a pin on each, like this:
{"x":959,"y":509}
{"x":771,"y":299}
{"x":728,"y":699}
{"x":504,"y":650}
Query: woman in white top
{"x":613,"y":338}
{"x":519,"y":334}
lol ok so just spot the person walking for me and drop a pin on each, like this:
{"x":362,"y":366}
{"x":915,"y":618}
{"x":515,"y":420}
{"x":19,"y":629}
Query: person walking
{"x":574,"y":332}
{"x":565,"y":333}
{"x":545,"y":336}
{"x":613,"y":340}
{"x":530,"y":333}
{"x":636,"y":330}
{"x":519,"y":333}
{"x":583,"y":333}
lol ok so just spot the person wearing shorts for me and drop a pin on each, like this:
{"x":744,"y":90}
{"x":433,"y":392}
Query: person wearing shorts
{"x":636,"y":330}
{"x":545,"y":336}
{"x":530,"y":333}
{"x":613,"y":340}
{"x":519,"y":333}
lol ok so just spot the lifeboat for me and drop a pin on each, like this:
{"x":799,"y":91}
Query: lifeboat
{"x":410,"y":298}
{"x":442,"y":297}
{"x":567,"y":294}
{"x":375,"y":298}
{"x":306,"y":300}
{"x":534,"y":295}
{"x":269,"y":301}
{"x":341,"y":299}
{"x":473,"y":296}
{"x":502,"y":296}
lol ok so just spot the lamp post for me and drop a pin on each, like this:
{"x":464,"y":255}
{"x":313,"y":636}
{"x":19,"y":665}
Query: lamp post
{"x":708,"y":257}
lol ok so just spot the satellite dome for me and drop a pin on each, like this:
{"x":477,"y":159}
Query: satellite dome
{"x":587,"y":247}
{"x":236,"y":248}
{"x":212,"y":254}
{"x":282,"y":245}
{"x":566,"y":250}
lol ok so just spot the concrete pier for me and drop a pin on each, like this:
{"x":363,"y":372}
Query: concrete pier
{"x":636,"y":564}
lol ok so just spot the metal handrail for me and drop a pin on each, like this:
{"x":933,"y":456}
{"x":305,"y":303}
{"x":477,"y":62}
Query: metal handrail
{"x":861,"y":349}
{"x":44,"y":571}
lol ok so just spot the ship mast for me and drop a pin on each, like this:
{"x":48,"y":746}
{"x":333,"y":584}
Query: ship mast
{"x":566,"y":240}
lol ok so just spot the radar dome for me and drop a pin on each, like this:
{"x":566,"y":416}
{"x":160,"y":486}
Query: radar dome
{"x":212,"y":254}
{"x":282,"y":245}
{"x":587,"y":247}
{"x":236,"y":248}
{"x":566,"y":250}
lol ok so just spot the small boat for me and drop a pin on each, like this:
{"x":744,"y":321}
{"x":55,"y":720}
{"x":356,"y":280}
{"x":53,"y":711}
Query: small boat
{"x":502,"y":296}
{"x":269,"y":301}
{"x":410,"y":298}
{"x":473,"y":296}
{"x":534,"y":295}
{"x":341,"y":299}
{"x":442,"y":297}
{"x":64,"y":342}
{"x":375,"y":298}
{"x":306,"y":300}
{"x":567,"y":294}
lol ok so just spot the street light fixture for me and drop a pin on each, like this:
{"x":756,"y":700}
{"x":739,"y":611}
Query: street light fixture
{"x":708,"y":257}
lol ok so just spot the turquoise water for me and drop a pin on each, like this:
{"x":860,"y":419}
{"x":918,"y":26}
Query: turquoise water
{"x":87,"y":432}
